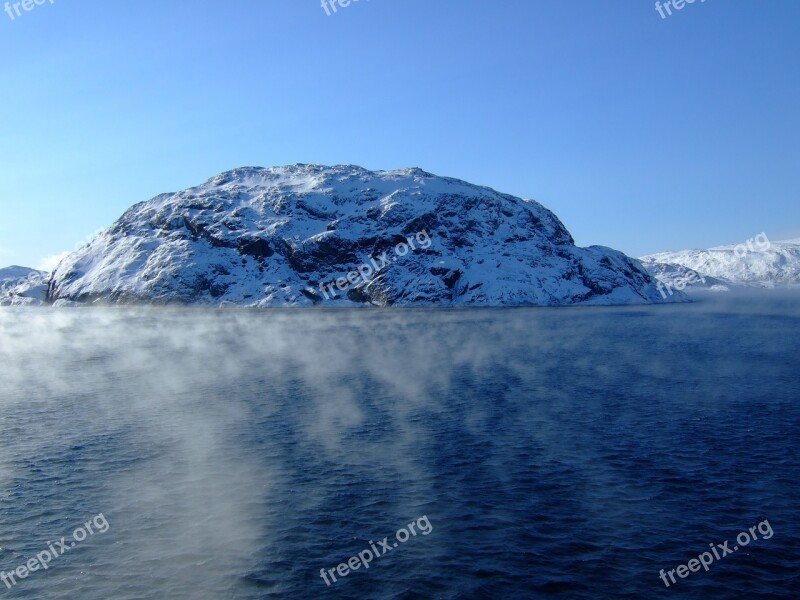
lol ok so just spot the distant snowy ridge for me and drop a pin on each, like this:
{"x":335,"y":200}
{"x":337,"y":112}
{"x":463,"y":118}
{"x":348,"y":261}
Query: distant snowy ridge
{"x":21,"y":286}
{"x":14,"y":273}
{"x":758,"y":264}
{"x":279,"y":236}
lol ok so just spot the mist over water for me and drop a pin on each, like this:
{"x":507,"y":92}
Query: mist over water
{"x":556,"y":452}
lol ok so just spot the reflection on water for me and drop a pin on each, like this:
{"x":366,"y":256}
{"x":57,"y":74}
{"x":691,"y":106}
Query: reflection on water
{"x":558,"y":452}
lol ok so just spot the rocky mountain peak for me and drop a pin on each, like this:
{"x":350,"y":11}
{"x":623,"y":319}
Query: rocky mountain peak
{"x":283,"y":235}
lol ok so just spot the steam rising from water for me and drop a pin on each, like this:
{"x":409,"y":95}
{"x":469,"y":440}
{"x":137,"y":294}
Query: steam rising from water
{"x":227,"y":448}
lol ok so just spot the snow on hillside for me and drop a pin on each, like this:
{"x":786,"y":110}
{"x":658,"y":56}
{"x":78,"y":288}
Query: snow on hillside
{"x":21,"y":286}
{"x":756,"y":262}
{"x":293,"y":235}
{"x":14,"y":273}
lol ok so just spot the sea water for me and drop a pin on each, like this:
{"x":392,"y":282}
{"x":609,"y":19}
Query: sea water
{"x":553,"y":452}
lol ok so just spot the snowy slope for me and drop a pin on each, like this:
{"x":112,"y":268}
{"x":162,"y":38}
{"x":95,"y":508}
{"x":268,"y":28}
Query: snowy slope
{"x":13,"y":273}
{"x":22,"y":286}
{"x":759,"y":263}
{"x":283,"y":236}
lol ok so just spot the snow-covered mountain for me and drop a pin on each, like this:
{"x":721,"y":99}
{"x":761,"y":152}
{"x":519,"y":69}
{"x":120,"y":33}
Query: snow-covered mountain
{"x":22,"y":286}
{"x":293,"y":235}
{"x":677,"y":277}
{"x":756,"y":262}
{"x":13,"y":273}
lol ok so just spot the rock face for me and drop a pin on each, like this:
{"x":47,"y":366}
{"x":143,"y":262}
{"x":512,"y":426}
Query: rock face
{"x":294,"y":235}
{"x":21,"y":286}
{"x":754,"y":263}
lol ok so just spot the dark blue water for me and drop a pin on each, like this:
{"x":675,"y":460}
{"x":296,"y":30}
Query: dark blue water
{"x":565,"y":453}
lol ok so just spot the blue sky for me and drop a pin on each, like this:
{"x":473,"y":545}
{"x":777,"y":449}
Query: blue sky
{"x":640,"y":133}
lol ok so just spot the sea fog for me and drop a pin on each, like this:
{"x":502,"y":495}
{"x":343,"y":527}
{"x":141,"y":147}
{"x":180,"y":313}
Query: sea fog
{"x":554,"y":452}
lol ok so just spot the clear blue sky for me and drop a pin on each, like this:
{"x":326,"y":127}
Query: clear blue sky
{"x":641,"y":133}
